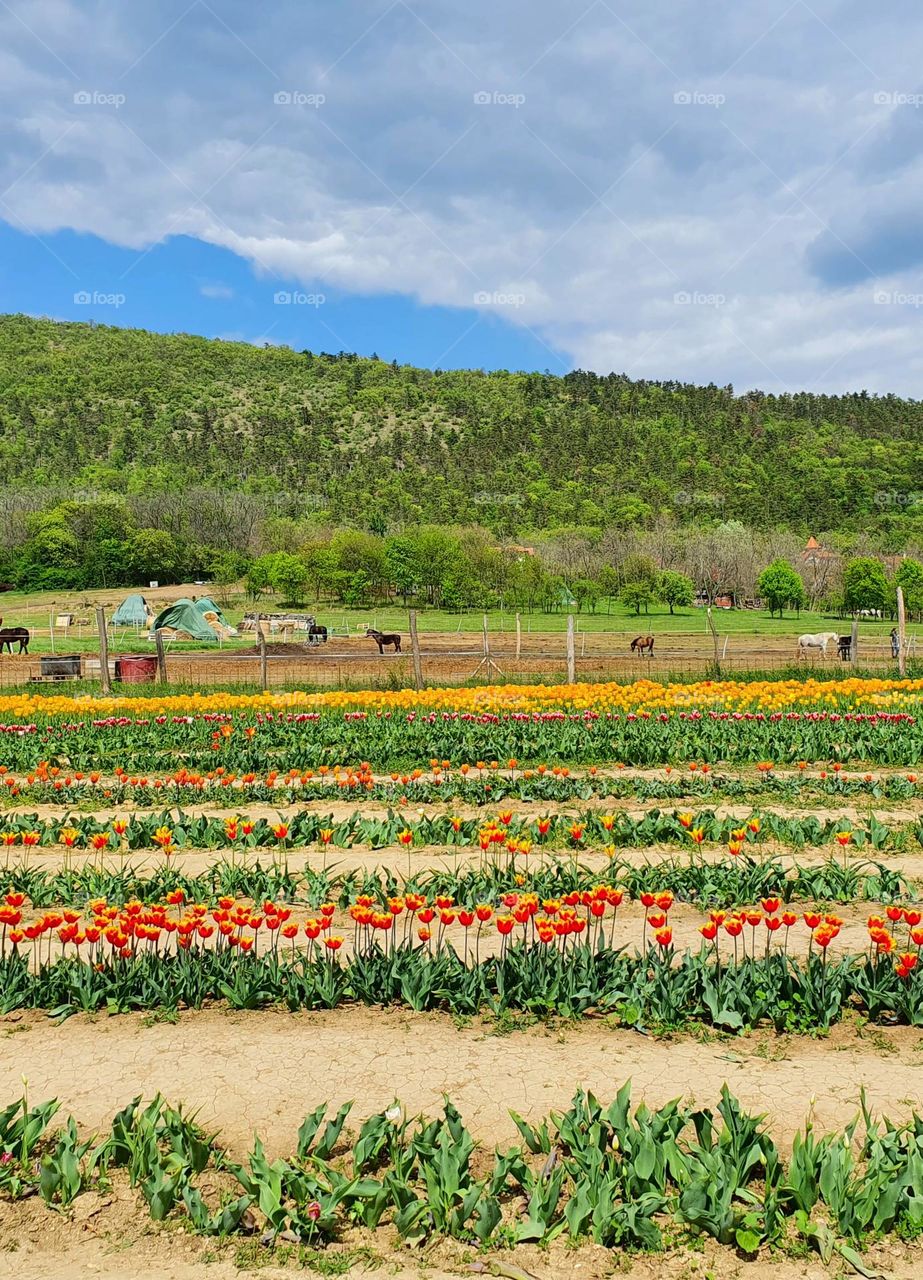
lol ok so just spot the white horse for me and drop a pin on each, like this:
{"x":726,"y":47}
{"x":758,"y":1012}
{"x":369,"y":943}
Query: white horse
{"x":818,"y":641}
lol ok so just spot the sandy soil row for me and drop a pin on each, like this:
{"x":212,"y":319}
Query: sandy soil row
{"x":341,"y":809}
{"x":115,"y":1243}
{"x":405,"y":862}
{"x":262,"y":1072}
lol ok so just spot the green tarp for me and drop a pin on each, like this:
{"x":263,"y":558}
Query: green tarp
{"x":205,"y":604}
{"x":186,"y":616}
{"x":132,"y":612}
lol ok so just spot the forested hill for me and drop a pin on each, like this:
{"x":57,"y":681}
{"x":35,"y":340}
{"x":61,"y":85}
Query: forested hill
{"x":99,"y":408}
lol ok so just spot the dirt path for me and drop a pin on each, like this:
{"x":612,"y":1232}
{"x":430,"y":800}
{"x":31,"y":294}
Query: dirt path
{"x":341,"y":810}
{"x":263,"y":1072}
{"x":132,"y":1254}
{"x":404,"y":862}
{"x":50,"y":1249}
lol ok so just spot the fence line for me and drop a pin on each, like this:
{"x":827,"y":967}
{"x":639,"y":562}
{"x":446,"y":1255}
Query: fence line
{"x":397,"y":672}
{"x":501,"y":656}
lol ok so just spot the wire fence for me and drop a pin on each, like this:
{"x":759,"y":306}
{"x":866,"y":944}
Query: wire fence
{"x":447,"y":659}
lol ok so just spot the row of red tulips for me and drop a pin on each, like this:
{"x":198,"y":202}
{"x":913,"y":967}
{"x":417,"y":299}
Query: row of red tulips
{"x":104,"y":928}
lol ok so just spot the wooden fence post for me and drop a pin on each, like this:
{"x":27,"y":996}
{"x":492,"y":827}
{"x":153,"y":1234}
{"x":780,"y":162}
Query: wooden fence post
{"x":161,"y":658}
{"x":415,"y":651}
{"x":571,"y":663}
{"x":854,"y":643}
{"x":714,"y":635}
{"x":104,"y":682}
{"x":518,"y":637}
{"x":264,"y":661}
{"x":901,"y":635}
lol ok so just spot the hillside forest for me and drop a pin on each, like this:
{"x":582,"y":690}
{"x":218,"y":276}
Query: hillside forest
{"x":128,"y":456}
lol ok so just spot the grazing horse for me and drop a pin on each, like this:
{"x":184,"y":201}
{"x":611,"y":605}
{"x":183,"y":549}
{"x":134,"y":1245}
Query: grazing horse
{"x":818,"y":641}
{"x":642,"y":644}
{"x":383,"y":638}
{"x":317,"y":634}
{"x":14,"y":635}
{"x":844,"y":647}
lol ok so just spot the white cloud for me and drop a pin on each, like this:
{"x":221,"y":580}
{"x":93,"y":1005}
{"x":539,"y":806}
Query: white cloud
{"x":584,"y":188}
{"x":216,"y":290}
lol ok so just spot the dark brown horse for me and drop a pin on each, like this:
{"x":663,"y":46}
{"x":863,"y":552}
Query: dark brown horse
{"x":642,"y":644}
{"x":14,"y":635}
{"x":383,"y":638}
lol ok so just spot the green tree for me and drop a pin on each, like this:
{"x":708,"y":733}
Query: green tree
{"x":288,"y":575}
{"x":865,"y":584}
{"x":259,"y":575}
{"x":638,"y":568}
{"x":105,"y":563}
{"x":401,"y":564}
{"x":226,"y":567}
{"x":781,"y":587}
{"x":356,"y":553}
{"x":50,"y":558}
{"x":637,"y":595}
{"x":909,"y":577}
{"x":153,"y":555}
{"x":586,"y":591}
{"x":674,"y":589}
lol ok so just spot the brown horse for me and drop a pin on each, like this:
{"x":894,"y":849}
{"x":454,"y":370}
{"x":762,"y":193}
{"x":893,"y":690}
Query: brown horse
{"x":14,"y":635}
{"x":642,"y":644}
{"x":382,"y":638}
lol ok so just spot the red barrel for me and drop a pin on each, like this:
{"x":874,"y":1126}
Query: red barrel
{"x":137,"y":670}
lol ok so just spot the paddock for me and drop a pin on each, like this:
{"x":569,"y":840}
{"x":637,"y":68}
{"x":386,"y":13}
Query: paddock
{"x":454,"y":658}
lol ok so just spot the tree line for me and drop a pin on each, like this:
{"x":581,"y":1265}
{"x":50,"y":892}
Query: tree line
{"x":84,"y":543}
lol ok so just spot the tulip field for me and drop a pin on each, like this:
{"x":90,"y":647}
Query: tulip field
{"x":727,"y":875}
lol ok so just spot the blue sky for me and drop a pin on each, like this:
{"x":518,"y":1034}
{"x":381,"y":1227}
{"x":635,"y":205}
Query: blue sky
{"x":713,"y":193}
{"x":182,"y":284}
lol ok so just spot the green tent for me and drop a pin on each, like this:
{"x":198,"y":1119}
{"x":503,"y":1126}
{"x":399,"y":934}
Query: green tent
{"x":132,"y":612}
{"x":185,"y":616}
